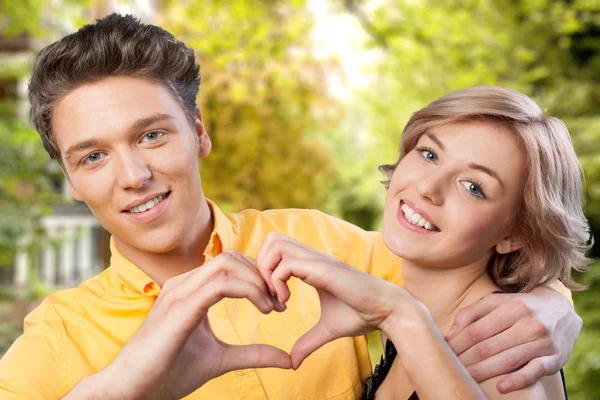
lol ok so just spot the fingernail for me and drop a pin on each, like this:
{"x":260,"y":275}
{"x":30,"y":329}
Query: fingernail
{"x":452,"y":331}
{"x":505,"y":386}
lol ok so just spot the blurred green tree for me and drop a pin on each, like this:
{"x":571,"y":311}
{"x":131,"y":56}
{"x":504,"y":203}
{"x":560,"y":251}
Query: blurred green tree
{"x":26,"y":187}
{"x":264,"y":101}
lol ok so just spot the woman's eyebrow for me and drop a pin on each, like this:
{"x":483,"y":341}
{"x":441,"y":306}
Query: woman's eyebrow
{"x":436,"y":140}
{"x":486,"y":170}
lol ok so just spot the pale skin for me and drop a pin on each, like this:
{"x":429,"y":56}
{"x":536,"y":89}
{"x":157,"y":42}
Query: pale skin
{"x":465,"y":178}
{"x":132,"y":140}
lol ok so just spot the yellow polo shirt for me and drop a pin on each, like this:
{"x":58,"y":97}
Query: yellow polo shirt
{"x":77,"y":332}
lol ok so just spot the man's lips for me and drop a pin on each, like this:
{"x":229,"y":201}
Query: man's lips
{"x":144,"y":200}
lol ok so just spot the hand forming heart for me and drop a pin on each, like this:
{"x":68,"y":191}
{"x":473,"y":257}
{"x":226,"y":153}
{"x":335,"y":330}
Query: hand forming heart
{"x":175,"y":350}
{"x":352,"y":302}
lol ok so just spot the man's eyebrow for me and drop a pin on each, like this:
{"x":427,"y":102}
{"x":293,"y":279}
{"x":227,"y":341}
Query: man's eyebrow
{"x":86,"y":144}
{"x":486,"y":170}
{"x":146,"y":122}
{"x":435,"y":140}
{"x":140,"y":124}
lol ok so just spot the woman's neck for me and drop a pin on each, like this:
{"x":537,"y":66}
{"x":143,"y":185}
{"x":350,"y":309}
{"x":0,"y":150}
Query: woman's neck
{"x":445,"y":291}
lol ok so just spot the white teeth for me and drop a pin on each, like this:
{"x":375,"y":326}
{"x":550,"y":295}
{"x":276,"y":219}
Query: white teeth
{"x":417,"y":219}
{"x":147,"y":205}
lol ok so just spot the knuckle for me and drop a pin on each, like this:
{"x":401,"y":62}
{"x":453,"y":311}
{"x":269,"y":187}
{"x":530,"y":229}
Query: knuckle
{"x":538,"y":329}
{"x":476,"y":372}
{"x":483,"y":352}
{"x":512,"y":361}
{"x":220,"y":284}
{"x":168,"y":285}
{"x":548,"y":346}
{"x":462,"y":316}
{"x":474,"y":335}
{"x":521,"y":307}
{"x":274,"y":237}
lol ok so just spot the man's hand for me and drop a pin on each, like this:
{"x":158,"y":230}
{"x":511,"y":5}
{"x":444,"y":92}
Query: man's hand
{"x":352,"y":302}
{"x":528,"y":335}
{"x":175,"y":351}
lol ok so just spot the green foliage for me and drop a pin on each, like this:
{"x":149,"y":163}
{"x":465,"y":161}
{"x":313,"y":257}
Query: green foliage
{"x":263,"y":101}
{"x":26,"y":191}
{"x":583,"y":369}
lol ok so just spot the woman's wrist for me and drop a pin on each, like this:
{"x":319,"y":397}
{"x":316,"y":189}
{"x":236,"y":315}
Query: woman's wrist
{"x":410,"y":317}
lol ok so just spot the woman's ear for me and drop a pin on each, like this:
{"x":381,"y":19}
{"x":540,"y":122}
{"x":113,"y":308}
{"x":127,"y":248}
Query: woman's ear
{"x":509,"y":243}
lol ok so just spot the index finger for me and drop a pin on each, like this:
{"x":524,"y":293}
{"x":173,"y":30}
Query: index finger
{"x":275,"y":248}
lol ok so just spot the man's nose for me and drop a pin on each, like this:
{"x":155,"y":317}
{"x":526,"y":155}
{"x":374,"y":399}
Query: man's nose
{"x":134,"y":171}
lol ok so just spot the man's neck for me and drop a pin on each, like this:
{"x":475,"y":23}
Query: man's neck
{"x":445,"y":291}
{"x":189,"y":255}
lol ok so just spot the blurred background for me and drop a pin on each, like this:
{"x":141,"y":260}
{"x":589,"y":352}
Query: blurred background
{"x":303,"y":99}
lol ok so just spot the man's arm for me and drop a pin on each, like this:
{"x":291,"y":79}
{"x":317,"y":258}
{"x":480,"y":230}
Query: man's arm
{"x":30,"y":369}
{"x":525,"y":335}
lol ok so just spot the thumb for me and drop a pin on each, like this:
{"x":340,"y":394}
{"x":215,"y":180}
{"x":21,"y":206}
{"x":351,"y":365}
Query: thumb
{"x":309,"y":343}
{"x":254,"y":356}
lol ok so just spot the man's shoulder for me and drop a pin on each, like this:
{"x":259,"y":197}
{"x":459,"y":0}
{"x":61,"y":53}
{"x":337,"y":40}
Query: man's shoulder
{"x":287,"y":218}
{"x":52,"y":309}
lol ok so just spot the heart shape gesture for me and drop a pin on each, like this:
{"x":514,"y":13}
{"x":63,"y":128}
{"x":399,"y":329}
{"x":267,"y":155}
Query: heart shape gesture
{"x":175,"y":350}
{"x":353,"y":302}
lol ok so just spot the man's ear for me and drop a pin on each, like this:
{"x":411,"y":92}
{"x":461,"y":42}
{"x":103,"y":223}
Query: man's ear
{"x":72,"y":189}
{"x":74,"y":193}
{"x":509,"y":243}
{"x":204,"y":143}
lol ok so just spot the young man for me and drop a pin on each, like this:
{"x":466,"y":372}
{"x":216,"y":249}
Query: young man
{"x":115,"y":105}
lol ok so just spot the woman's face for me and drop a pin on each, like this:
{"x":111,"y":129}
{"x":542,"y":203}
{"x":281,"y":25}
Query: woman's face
{"x":452,"y":199}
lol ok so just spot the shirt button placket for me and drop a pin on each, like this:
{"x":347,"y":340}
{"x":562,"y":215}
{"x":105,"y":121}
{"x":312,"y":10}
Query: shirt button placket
{"x":248,"y":385}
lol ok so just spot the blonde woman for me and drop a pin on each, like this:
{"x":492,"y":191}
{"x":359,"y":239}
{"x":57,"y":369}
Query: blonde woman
{"x":485,"y":197}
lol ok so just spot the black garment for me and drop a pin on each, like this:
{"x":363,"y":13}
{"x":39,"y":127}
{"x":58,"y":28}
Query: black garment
{"x":384,"y":366}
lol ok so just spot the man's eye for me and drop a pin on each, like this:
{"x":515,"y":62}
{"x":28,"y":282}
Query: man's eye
{"x":152,"y":136}
{"x":92,"y":158}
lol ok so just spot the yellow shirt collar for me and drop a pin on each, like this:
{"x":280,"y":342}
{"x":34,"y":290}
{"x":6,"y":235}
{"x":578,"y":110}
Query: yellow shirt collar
{"x":131,"y":275}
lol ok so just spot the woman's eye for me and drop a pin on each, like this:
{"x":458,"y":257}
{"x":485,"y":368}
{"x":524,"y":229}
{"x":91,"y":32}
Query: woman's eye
{"x":474,"y":188}
{"x":92,"y":158}
{"x":152,"y":136}
{"x":429,"y":155}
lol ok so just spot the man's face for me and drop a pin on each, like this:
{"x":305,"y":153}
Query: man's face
{"x":132,"y":156}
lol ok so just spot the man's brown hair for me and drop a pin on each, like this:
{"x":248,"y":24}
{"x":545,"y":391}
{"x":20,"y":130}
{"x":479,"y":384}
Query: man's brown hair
{"x":115,"y":45}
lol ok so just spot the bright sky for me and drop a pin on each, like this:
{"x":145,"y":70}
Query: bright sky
{"x":338,"y":34}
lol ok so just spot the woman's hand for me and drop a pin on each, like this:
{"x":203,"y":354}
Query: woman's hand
{"x":352,"y":302}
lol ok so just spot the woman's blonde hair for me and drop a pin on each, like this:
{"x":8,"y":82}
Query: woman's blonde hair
{"x":550,"y":221}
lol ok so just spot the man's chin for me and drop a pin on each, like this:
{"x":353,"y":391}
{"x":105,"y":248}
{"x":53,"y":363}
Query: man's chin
{"x":147,"y":243}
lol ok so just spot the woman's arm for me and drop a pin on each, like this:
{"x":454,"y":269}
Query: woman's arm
{"x":432,"y":368}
